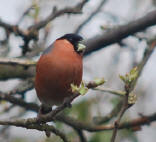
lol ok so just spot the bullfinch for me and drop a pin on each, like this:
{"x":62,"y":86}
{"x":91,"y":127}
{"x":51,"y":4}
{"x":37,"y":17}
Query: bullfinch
{"x":59,"y":66}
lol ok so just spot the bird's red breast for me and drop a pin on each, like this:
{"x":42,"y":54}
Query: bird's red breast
{"x":56,"y":70}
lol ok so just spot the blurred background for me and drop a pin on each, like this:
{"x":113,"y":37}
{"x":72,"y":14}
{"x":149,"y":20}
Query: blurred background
{"x":107,"y":62}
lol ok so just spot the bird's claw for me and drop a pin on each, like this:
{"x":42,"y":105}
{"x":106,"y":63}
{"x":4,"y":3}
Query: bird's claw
{"x":47,"y":133}
{"x":67,"y":103}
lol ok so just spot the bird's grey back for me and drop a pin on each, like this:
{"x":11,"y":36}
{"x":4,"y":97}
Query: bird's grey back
{"x":46,"y":51}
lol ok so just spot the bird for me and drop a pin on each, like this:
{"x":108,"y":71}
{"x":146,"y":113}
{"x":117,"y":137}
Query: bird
{"x":59,"y":66}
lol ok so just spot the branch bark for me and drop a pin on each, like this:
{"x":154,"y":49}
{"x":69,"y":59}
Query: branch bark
{"x":145,"y":120}
{"x":32,"y":32}
{"x":68,"y":10}
{"x":99,"y":41}
{"x":17,"y":61}
{"x":40,"y":127}
{"x":118,"y":33}
{"x":16,"y":71}
{"x":79,"y":28}
{"x":129,"y":87}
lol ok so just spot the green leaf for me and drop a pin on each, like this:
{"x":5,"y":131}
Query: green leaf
{"x":122,"y":78}
{"x":99,"y":81}
{"x":74,"y":88}
{"x":133,"y":71}
{"x":83,"y":90}
{"x":129,"y":77}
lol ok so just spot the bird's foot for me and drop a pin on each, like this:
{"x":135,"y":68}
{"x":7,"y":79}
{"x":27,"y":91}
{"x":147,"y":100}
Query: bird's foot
{"x":67,"y":102}
{"x":42,"y":111}
{"x":39,"y":115}
{"x":47,"y":133}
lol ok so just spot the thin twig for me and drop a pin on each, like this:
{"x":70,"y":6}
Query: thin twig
{"x":12,"y":28}
{"x":68,"y":10}
{"x":19,"y":102}
{"x":81,"y":135}
{"x":32,"y":32}
{"x":100,"y":120}
{"x":149,"y":50}
{"x":26,"y":12}
{"x":23,"y":87}
{"x":79,"y":28}
{"x":108,"y":90}
{"x":121,"y":113}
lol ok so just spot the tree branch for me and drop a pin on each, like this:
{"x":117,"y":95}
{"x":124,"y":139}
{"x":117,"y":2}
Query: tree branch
{"x":100,"y":120}
{"x":145,"y":120}
{"x":23,"y":87}
{"x":19,"y":102}
{"x":12,"y":28}
{"x":108,"y":90}
{"x":40,"y":127}
{"x":112,"y":36}
{"x":76,"y":124}
{"x":130,"y":86}
{"x":32,"y":32}
{"x":81,"y":135}
{"x":118,"y":33}
{"x":79,"y":28}
{"x":99,"y":41}
{"x":18,"y":71}
{"x":124,"y":107}
{"x":16,"y":68}
{"x":68,"y":10}
{"x":26,"y":35}
{"x":17,"y":61}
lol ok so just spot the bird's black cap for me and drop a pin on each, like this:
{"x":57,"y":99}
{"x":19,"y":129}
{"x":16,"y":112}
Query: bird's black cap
{"x":74,"y":39}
